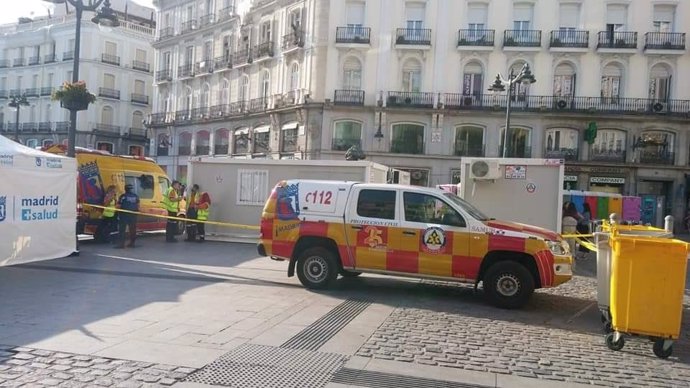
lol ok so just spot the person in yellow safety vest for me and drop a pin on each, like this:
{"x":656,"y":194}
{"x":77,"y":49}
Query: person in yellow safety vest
{"x":171,"y":203}
{"x":203,"y":206}
{"x":108,"y":221}
{"x":191,"y":213}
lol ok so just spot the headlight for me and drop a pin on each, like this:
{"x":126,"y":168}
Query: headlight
{"x":560,"y":248}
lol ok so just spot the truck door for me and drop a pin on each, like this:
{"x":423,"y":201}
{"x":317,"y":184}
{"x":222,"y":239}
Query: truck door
{"x":435,"y":233}
{"x":370,"y":216}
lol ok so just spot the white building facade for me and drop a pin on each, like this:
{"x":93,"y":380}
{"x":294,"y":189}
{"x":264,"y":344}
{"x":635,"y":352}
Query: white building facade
{"x":408,"y":81}
{"x":36,"y":57}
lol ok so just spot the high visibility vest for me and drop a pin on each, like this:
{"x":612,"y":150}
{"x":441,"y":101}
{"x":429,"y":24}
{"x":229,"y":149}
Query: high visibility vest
{"x":109,"y":211}
{"x":167,"y":203}
{"x":202,"y":214}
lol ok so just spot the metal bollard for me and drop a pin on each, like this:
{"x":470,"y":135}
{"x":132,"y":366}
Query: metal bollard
{"x":668,"y":223}
{"x":613,"y":218}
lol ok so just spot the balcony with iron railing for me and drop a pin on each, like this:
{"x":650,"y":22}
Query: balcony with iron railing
{"x":413,"y":36}
{"x":226,"y":13}
{"x":29,"y":127}
{"x":205,"y":66}
{"x":343,"y":144}
{"x":522,"y":38}
{"x":570,"y":154}
{"x":469,"y":150}
{"x":476,"y":38}
{"x":49,"y":58}
{"x":660,"y":156}
{"x":200,"y":113}
{"x":61,"y":126}
{"x":32,"y":92}
{"x":165,"y":33}
{"x":410,"y":99}
{"x":186,"y":71}
{"x":258,"y":104}
{"x":569,"y":39}
{"x":4,"y":63}
{"x":348,"y":97}
{"x":164,"y":75}
{"x":35,"y":60}
{"x":223,"y":63}
{"x":44,"y":126}
{"x":139,"y":98}
{"x":18,"y":62}
{"x":207,"y":20}
{"x":182,"y":116}
{"x":603,"y":154}
{"x":293,"y":40}
{"x":136,"y":133}
{"x":157,"y":118}
{"x":405,"y":146}
{"x":109,"y":93}
{"x":4,"y":94}
{"x":264,"y":49}
{"x":353,"y":35}
{"x":141,"y":66}
{"x":110,"y":59}
{"x":15,"y":93}
{"x":47,"y":90}
{"x":664,"y":41}
{"x":68,"y":55}
{"x":188,"y":26}
{"x":516,"y":151}
{"x":237,"y":108}
{"x":107,"y":128}
{"x":616,"y":40}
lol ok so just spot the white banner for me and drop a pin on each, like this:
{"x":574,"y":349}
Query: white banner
{"x":37,"y":209}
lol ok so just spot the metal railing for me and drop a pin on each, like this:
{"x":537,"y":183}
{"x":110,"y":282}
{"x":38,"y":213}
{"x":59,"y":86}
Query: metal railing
{"x":205,"y":66}
{"x":407,"y":147}
{"x":34,"y":60}
{"x":166,"y":32}
{"x":141,"y":66}
{"x":182,"y":116}
{"x":570,"y":154}
{"x":601,"y":154}
{"x":109,"y":93}
{"x":107,"y":128}
{"x":223,"y":62}
{"x":258,"y":104}
{"x":200,"y":113}
{"x":569,"y":38}
{"x":68,"y":55}
{"x":32,"y":92}
{"x":163,"y":75}
{"x":186,"y":70}
{"x":617,"y":40}
{"x":293,"y":39}
{"x":226,"y":13}
{"x":49,"y":58}
{"x":4,"y":63}
{"x":139,"y":98}
{"x":264,"y":49}
{"x":4,"y":93}
{"x":29,"y":127}
{"x":207,"y":19}
{"x":412,"y":99}
{"x":516,"y":152}
{"x":241,"y":56}
{"x":18,"y":62}
{"x":345,"y":144}
{"x":469,"y":150}
{"x":476,"y":38}
{"x":353,"y":34}
{"x":157,"y":118}
{"x":664,"y":41}
{"x":15,"y":93}
{"x":237,"y":108}
{"x":44,"y":126}
{"x":522,"y":38}
{"x":110,"y":59}
{"x":137,"y":132}
{"x":188,"y":26}
{"x":413,"y":36}
{"x":61,"y":126}
{"x":348,"y":97}
{"x":657,"y":157}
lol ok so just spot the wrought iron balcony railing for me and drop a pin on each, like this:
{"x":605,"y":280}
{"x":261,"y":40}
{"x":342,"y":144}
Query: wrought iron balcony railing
{"x":182,"y":116}
{"x":617,"y":40}
{"x":44,"y":126}
{"x":34,"y":60}
{"x":664,"y":41}
{"x":207,"y":19}
{"x":141,"y":66}
{"x":19,"y":62}
{"x":166,"y":33}
{"x":407,"y":147}
{"x":139,"y":98}
{"x":353,"y":34}
{"x":570,"y":154}
{"x":47,"y":90}
{"x":410,"y":99}
{"x":109,"y":93}
{"x":188,"y":26}
{"x":61,"y":126}
{"x":241,"y":56}
{"x":476,"y":38}
{"x":264,"y":49}
{"x":109,"y":128}
{"x":569,"y":38}
{"x":138,"y":133}
{"x":413,"y":36}
{"x":186,"y":70}
{"x":49,"y":58}
{"x":522,"y":38}
{"x":602,"y":154}
{"x":32,"y":92}
{"x":469,"y":150}
{"x":226,"y":13}
{"x":163,"y":75}
{"x":258,"y":104}
{"x":224,"y":62}
{"x":657,"y":157}
{"x":68,"y":55}
{"x":205,"y":66}
{"x":4,"y":93}
{"x":293,"y":40}
{"x":4,"y":63}
{"x":110,"y":59}
{"x":348,"y":97}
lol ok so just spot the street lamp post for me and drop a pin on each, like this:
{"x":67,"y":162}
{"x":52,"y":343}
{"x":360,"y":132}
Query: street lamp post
{"x":17,"y":102}
{"x":525,"y":76}
{"x":105,"y":17}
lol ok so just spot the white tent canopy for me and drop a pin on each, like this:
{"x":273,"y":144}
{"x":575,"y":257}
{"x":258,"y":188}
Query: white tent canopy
{"x":38,"y":204}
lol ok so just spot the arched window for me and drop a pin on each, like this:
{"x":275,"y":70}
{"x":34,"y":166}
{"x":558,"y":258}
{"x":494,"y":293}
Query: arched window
{"x":294,"y":76}
{"x":202,"y":143}
{"x":611,"y":83}
{"x":225,"y":92}
{"x":519,"y":143}
{"x":135,"y":150}
{"x":520,"y":90}
{"x":407,"y":139}
{"x":261,"y":139}
{"x":221,"y":142}
{"x":347,"y":134}
{"x":352,"y":74}
{"x":412,"y":76}
{"x":265,"y":84}
{"x":244,"y":89}
{"x":609,"y":146}
{"x":240,"y":141}
{"x":660,"y":83}
{"x":288,"y":137}
{"x":205,"y":99}
{"x":472,"y":80}
{"x":655,"y":147}
{"x":105,"y":146}
{"x":184,"y":147}
{"x":564,"y":80}
{"x":561,"y":143}
{"x":469,"y":141}
{"x":32,"y":143}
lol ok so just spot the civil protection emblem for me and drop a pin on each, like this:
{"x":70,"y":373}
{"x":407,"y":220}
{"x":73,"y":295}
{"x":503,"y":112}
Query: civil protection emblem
{"x":3,"y":208}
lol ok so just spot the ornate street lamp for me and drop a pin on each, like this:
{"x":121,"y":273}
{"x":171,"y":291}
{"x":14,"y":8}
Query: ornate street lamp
{"x":525,"y":76}
{"x":106,"y":18}
{"x":16,"y":102}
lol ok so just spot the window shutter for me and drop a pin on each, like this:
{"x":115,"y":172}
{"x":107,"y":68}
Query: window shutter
{"x":414,"y":12}
{"x":522,"y":12}
{"x":569,"y":15}
{"x":355,"y":14}
{"x":664,"y":13}
{"x":616,"y":14}
{"x":477,"y":13}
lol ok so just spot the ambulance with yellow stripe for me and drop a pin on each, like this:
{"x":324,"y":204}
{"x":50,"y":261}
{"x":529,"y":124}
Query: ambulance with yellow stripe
{"x":326,"y":228}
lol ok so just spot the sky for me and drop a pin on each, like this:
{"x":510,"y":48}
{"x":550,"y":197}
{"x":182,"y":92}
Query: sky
{"x":18,"y":8}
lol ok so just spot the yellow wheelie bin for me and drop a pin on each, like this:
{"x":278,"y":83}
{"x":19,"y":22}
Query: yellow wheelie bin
{"x":647,"y":286}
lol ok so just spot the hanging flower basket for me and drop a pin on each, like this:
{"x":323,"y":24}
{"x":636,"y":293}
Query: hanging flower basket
{"x":74,"y":96}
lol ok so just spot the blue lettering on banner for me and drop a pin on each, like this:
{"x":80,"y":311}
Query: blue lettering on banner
{"x":38,"y":162}
{"x":53,"y":163}
{"x":3,"y":208}
{"x":40,"y":208}
{"x":6,"y":160}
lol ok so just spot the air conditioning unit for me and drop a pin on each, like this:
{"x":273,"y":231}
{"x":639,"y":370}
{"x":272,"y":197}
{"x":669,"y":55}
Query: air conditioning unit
{"x":659,"y":107}
{"x":562,"y":103}
{"x":485,"y":169}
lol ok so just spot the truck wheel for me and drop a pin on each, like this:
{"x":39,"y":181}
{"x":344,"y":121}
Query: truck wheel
{"x":316,"y":268}
{"x":508,"y":285}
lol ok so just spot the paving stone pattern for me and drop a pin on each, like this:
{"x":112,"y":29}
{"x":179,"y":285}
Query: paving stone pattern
{"x":481,"y":338}
{"x":26,"y":367}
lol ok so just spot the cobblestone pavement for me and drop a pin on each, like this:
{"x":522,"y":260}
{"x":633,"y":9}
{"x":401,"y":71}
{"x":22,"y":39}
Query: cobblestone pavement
{"x":533,"y":342}
{"x":36,"y":368}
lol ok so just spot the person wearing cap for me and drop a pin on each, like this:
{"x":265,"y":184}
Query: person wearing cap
{"x":171,"y":203}
{"x":127,"y":221}
{"x":108,"y":222}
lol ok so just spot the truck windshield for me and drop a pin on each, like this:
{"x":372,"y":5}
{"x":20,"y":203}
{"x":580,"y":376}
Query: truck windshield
{"x":471,"y":210}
